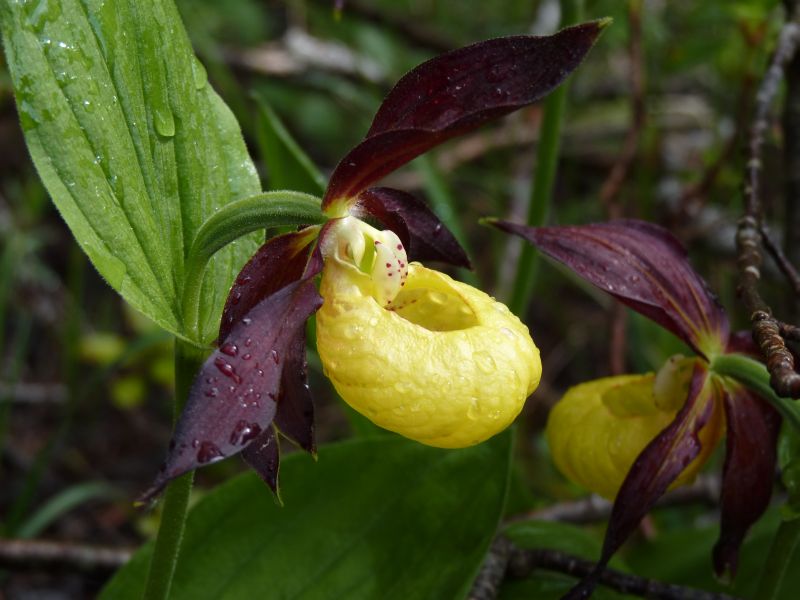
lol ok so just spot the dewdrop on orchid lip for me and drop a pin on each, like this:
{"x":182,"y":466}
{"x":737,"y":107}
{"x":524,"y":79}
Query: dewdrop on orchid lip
{"x":437,"y":361}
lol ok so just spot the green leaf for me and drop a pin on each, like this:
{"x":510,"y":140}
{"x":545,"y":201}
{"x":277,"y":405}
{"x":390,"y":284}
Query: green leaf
{"x":374,"y":518}
{"x":554,"y":536}
{"x":288,"y":167}
{"x":62,"y":503}
{"x":544,"y":585}
{"x":133,"y":145}
{"x":683,"y":556}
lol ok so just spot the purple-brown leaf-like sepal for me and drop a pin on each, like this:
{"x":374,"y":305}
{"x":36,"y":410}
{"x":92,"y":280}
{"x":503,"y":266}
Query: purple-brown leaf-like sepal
{"x":234,"y":397}
{"x":264,"y":457}
{"x":295,"y":416}
{"x":656,"y":468}
{"x":643,"y":266}
{"x":455,"y":93}
{"x":279,"y":262}
{"x":749,"y":471}
{"x":423,"y":234}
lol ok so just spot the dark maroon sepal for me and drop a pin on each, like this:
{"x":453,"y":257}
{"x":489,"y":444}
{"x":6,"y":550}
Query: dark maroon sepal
{"x":643,"y":266}
{"x":454,"y":93}
{"x":423,"y":234}
{"x":747,"y":477}
{"x":279,"y":262}
{"x":234,"y":397}
{"x":295,"y":416}
{"x":264,"y":457}
{"x":742,"y":342}
{"x":655,"y":469}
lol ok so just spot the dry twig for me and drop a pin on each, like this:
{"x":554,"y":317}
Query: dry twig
{"x":749,"y":239}
{"x":524,"y":561}
{"x":705,"y":490}
{"x":29,"y":554}
{"x":506,"y":559}
{"x":619,"y":172}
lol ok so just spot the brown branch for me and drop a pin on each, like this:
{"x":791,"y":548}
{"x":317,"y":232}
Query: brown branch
{"x":523,"y":562}
{"x":617,"y":344}
{"x":790,"y":332}
{"x":705,"y":490}
{"x":490,"y":578}
{"x":619,"y":172}
{"x":749,"y":240}
{"x":786,"y":267}
{"x":691,"y":200}
{"x":34,"y":393}
{"x":791,"y":129}
{"x":28,"y":554}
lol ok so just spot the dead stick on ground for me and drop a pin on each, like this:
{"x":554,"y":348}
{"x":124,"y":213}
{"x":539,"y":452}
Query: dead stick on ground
{"x":506,"y":559}
{"x":705,"y":490}
{"x":522,"y":562}
{"x":28,"y":554}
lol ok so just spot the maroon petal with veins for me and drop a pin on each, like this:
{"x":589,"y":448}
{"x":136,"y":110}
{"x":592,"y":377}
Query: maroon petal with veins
{"x":264,"y":457}
{"x":234,"y":397}
{"x":643,"y":266}
{"x":749,"y":471}
{"x":455,"y":93}
{"x":655,"y":469}
{"x":279,"y":262}
{"x":295,"y":416}
{"x":423,"y":234}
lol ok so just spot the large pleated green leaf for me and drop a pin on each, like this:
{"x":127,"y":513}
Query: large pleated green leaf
{"x":133,"y":145}
{"x":374,"y":518}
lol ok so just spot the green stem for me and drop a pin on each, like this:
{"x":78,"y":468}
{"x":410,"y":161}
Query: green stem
{"x":188,"y":360}
{"x":232,"y":221}
{"x":546,"y":165}
{"x":755,"y":376}
{"x":780,"y":554}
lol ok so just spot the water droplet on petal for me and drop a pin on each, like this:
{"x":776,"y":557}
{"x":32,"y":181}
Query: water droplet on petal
{"x":208,"y":452}
{"x":244,"y":432}
{"x":226,"y":369}
{"x":474,"y":409}
{"x":484,"y":361}
{"x":229,"y":349}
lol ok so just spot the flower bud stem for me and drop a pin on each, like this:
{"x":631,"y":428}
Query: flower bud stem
{"x":229,"y":223}
{"x":754,"y":375}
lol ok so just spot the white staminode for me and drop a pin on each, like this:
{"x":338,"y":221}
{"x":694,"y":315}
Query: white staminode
{"x":379,"y":254}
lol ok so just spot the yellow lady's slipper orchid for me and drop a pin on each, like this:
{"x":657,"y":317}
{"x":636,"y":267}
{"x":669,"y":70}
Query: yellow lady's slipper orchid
{"x":599,"y":428}
{"x":416,"y":352}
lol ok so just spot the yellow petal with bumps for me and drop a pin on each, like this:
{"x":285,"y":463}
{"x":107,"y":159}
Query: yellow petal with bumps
{"x":598,"y":428}
{"x":445,"y":364}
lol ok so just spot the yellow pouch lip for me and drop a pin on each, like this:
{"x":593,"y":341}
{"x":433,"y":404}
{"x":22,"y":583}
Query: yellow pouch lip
{"x":598,"y":428}
{"x":409,"y":372}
